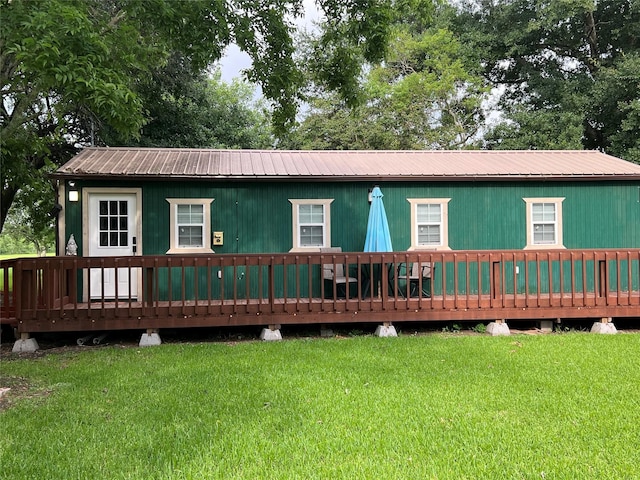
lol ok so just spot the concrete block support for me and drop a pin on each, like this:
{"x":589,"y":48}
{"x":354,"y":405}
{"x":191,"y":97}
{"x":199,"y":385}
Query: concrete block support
{"x":604,"y":326}
{"x":326,"y":332}
{"x":546,"y":326}
{"x":271,"y":334}
{"x":386,"y":330}
{"x":25,"y":344}
{"x":150,"y":339}
{"x":497,"y":328}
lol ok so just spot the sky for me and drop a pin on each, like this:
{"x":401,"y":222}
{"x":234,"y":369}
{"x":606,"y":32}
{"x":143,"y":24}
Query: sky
{"x":234,"y":61}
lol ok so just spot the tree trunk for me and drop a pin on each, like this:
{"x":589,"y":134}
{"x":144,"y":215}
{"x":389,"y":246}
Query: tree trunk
{"x":8,"y":194}
{"x":591,"y":35}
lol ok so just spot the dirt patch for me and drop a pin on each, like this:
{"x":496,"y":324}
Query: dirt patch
{"x":15,"y":389}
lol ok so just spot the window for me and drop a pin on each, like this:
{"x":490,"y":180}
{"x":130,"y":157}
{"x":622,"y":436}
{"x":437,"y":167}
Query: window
{"x":113,"y":223}
{"x":429,"y":223}
{"x":311,"y":224}
{"x":190,"y":225}
{"x":544,"y":222}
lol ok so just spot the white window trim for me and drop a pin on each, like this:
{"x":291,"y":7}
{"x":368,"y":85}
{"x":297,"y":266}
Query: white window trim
{"x":559,"y":237}
{"x":173,"y":231}
{"x":295,"y":203}
{"x":444,"y":204}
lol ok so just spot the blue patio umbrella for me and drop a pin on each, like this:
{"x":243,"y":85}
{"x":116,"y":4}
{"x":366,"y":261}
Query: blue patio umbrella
{"x":378,"y":238}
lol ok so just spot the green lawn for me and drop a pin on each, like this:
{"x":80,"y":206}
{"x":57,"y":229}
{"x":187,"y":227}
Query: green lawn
{"x":9,"y":257}
{"x":558,"y":406}
{"x":19,"y":255}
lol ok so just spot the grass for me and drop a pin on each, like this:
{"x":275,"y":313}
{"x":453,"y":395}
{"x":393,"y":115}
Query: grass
{"x":10,"y":276}
{"x":560,"y":406}
{"x":11,"y":257}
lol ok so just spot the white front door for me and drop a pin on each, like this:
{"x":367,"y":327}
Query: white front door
{"x":112,"y":233}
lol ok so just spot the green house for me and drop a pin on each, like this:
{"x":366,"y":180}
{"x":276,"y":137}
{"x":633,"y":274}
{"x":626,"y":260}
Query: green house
{"x":123,"y":201}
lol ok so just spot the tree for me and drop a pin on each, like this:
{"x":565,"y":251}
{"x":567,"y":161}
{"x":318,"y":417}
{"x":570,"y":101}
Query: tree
{"x":59,"y":69}
{"x":560,"y":64}
{"x":423,"y":95}
{"x":72,"y":67}
{"x":197,"y":110}
{"x":28,"y":231}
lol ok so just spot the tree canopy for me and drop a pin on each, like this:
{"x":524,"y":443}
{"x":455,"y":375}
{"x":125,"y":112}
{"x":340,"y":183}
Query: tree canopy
{"x":423,"y":94}
{"x":69,"y":68}
{"x":570,"y":71}
{"x":192,"y":109}
{"x":384,"y":73}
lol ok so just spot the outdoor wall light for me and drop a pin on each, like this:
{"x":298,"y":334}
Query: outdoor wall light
{"x":73,"y":192}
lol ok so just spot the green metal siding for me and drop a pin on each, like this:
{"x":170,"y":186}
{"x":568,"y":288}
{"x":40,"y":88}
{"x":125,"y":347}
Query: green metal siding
{"x":257,"y":217}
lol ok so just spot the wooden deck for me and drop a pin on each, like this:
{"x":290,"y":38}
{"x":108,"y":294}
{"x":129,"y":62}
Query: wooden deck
{"x":55,"y":293}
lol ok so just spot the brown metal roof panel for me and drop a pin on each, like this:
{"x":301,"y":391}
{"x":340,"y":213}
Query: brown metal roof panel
{"x":269,"y":167}
{"x":211,"y":163}
{"x":164,"y":162}
{"x":212,"y":166}
{"x":351,"y":164}
{"x":191,"y":163}
{"x":110,"y":165}
{"x":307,"y":167}
{"x":100,"y":162}
{"x":124,"y":163}
{"x":153,"y":163}
{"x":280,"y":165}
{"x":90,"y":162}
{"x":142,"y":163}
{"x":244,"y":165}
{"x":330,"y":164}
{"x":257,"y":163}
{"x":182,"y":164}
{"x":235,"y":162}
{"x":224,"y":166}
{"x":289,"y":164}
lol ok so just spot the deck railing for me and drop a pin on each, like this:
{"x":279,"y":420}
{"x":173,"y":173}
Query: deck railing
{"x":75,"y":293}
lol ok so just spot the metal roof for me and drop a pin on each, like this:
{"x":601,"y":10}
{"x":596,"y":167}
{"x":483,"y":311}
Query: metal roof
{"x":160,"y":163}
